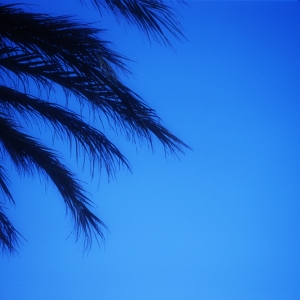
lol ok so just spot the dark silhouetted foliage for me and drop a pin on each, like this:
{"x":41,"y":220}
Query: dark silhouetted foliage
{"x":59,"y":52}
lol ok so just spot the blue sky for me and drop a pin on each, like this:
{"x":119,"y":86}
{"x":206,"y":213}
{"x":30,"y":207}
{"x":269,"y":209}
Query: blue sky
{"x":220,"y":223}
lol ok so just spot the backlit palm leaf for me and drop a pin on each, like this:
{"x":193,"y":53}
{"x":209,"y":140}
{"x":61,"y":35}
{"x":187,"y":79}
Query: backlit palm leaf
{"x":153,"y":17}
{"x":44,"y":53}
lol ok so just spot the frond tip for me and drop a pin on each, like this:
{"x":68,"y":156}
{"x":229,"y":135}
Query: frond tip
{"x":40,"y":52}
{"x":27,"y":154}
{"x":10,"y":238}
{"x":154,"y":18}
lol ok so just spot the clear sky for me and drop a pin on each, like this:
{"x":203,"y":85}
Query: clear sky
{"x":221,"y":223}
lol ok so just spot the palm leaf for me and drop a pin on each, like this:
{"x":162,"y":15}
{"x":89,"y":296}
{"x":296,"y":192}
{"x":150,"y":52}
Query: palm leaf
{"x":10,"y":238}
{"x":153,"y":17}
{"x":47,"y":53}
{"x":4,"y":186}
{"x":27,"y":155}
{"x":67,"y":125}
{"x":82,"y":76}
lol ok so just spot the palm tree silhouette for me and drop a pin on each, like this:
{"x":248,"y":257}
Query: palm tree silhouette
{"x":44,"y":53}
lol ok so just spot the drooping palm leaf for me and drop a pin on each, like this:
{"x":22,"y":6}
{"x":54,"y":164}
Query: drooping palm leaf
{"x":67,"y":125}
{"x":83,"y":76}
{"x":42,"y":52}
{"x":4,"y":186}
{"x":29,"y":155}
{"x":153,"y":17}
{"x":10,"y":238}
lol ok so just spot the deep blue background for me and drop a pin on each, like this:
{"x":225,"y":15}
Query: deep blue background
{"x":222,"y":223}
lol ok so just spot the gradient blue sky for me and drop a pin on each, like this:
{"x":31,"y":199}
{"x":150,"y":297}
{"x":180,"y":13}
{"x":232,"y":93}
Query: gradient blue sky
{"x":221,"y":223}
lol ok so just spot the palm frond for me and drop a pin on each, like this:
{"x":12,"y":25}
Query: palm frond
{"x":45,"y":52}
{"x":27,"y":155}
{"x":3,"y":185}
{"x":152,"y":17}
{"x":53,"y":37}
{"x":67,"y":125}
{"x":10,"y":238}
{"x":82,"y":76}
